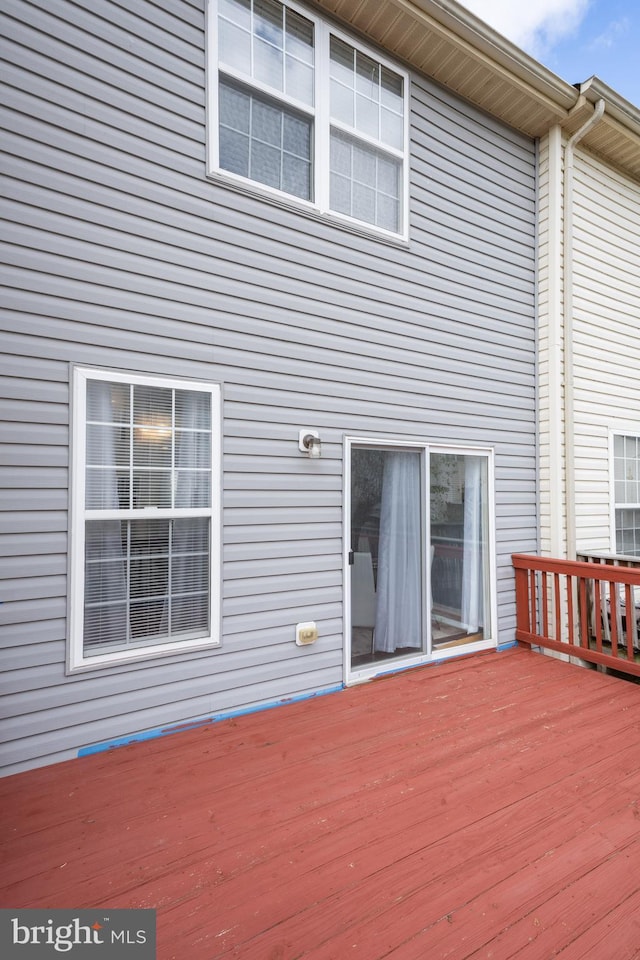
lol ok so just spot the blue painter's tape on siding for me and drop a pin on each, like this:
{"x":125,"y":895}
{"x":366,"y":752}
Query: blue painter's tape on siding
{"x":193,"y":725}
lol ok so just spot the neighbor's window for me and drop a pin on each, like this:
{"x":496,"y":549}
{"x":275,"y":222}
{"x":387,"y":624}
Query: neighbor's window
{"x":144,"y":524}
{"x":307,"y":112}
{"x":626,"y":470}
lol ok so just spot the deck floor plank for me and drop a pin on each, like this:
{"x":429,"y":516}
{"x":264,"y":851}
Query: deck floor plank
{"x":487,"y":807}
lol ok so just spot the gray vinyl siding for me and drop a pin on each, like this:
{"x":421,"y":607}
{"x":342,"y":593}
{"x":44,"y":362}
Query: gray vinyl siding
{"x":121,"y":254}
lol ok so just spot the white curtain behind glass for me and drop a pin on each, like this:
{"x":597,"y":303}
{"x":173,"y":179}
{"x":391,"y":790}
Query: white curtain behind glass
{"x":472,"y":558}
{"x":399,"y":593}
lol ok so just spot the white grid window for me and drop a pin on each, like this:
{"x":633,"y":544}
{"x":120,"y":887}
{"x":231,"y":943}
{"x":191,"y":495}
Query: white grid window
{"x":626,"y":472}
{"x":300,"y":109}
{"x":143,"y":517}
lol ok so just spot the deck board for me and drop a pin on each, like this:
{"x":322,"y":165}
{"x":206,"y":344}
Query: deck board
{"x":486,"y":807}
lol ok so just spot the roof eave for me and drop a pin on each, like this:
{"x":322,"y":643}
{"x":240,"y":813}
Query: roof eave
{"x":499,"y":49}
{"x":622,"y":110}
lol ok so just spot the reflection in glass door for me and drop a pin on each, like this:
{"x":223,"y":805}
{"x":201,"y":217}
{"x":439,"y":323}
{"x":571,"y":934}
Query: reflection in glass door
{"x":386,"y":556}
{"x":459,"y":528}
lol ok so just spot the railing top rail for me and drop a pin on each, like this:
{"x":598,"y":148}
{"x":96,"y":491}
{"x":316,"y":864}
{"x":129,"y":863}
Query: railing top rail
{"x":619,"y":559}
{"x":577,"y":568}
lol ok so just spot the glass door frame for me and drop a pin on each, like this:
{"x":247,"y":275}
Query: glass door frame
{"x":366,"y":672}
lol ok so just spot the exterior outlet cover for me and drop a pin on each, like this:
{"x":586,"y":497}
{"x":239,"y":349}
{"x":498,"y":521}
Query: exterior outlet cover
{"x":306,"y":633}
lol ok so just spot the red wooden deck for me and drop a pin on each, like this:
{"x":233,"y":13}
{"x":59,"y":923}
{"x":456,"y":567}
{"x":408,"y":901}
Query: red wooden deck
{"x":488,"y":807}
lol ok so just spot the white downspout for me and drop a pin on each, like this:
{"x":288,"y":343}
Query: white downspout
{"x":569,"y":399}
{"x":554,"y":306}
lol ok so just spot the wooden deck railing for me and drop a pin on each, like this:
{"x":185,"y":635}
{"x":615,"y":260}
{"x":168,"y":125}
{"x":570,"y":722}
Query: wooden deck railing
{"x":584,"y":609}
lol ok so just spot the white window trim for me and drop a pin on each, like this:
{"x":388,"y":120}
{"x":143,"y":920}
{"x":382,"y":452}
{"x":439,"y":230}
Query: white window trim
{"x":613,"y":503}
{"x":76,"y":660}
{"x":353,"y":676}
{"x":322,"y":125}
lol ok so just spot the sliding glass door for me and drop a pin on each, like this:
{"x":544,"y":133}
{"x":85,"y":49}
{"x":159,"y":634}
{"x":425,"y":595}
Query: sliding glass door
{"x":419,"y":553}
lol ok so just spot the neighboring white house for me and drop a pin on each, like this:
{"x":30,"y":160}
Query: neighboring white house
{"x":589,"y":328}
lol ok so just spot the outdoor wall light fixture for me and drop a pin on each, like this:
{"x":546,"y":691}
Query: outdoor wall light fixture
{"x":309,"y":442}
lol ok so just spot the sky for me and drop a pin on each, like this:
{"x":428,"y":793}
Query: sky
{"x":574,"y":38}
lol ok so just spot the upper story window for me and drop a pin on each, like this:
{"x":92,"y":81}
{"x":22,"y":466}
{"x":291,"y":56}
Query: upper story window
{"x":144,"y":517}
{"x":305,"y":112}
{"x":626,"y":477}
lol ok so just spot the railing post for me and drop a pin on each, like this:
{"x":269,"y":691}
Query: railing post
{"x":523,"y":625}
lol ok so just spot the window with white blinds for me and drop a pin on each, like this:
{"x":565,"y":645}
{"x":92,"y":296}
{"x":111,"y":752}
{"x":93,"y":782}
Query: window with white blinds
{"x":299,"y":108}
{"x":144,"y":517}
{"x":626,"y":477}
